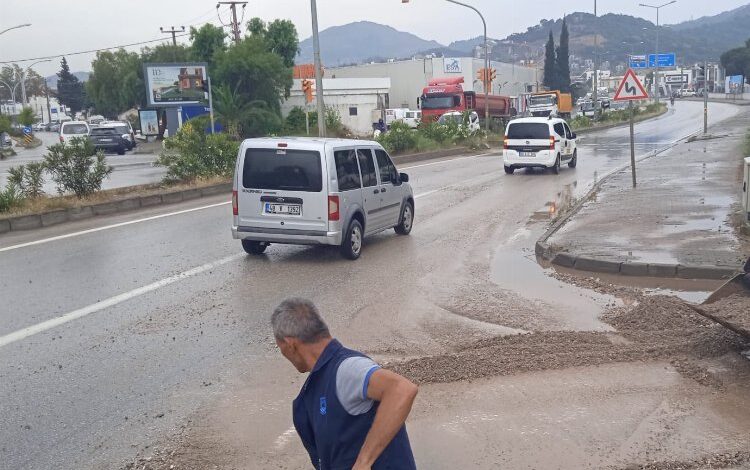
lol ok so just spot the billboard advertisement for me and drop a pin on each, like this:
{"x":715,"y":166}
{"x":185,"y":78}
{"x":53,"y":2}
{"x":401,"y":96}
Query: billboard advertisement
{"x":733,"y":84}
{"x":149,"y":121}
{"x":175,"y":85}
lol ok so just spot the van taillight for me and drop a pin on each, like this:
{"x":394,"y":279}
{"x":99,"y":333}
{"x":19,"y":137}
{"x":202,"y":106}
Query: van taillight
{"x":505,"y":144}
{"x":333,"y":208}
{"x":235,"y":207}
{"x":552,"y":143}
{"x":62,"y":141}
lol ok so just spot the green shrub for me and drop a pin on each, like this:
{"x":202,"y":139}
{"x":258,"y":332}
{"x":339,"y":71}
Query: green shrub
{"x":28,"y":179}
{"x":192,"y":154}
{"x":9,"y":199}
{"x":295,"y":120}
{"x":580,"y":122}
{"x":436,"y":132}
{"x":399,"y":138}
{"x":333,"y":120}
{"x":5,"y":123}
{"x":75,"y":167}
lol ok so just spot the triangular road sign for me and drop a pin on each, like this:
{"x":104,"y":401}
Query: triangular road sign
{"x":630,"y":88}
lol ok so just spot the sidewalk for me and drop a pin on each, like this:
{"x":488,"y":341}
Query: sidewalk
{"x":679,"y":222}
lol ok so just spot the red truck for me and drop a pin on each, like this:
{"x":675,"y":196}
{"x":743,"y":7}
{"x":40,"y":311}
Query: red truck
{"x":442,"y":95}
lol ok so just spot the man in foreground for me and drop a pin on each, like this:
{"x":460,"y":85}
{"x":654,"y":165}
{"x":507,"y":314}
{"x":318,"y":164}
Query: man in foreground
{"x":350,"y":413}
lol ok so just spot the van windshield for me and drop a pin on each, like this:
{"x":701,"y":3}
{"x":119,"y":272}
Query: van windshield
{"x":528,"y":130}
{"x":282,"y":169}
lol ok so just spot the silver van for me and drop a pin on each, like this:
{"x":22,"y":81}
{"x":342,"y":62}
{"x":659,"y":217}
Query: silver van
{"x":314,"y":191}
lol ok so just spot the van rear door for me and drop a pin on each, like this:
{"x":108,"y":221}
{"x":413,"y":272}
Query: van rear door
{"x":282,"y":188}
{"x":528,"y":138}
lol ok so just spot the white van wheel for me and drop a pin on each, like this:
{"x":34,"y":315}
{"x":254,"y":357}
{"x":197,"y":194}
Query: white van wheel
{"x":351,"y":245}
{"x":407,"y":220}
{"x":254,"y":248}
{"x":556,"y":167}
{"x":573,"y":161}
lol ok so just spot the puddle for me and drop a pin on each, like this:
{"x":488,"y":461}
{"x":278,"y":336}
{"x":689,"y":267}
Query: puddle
{"x":695,"y":297}
{"x":577,"y":307}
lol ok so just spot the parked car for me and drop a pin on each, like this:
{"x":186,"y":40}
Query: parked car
{"x":39,"y":127}
{"x":458,"y":118}
{"x":604,"y":102}
{"x":307,"y":191}
{"x":537,"y":142}
{"x":5,"y":140}
{"x":687,"y":93}
{"x":125,"y":129}
{"x":108,"y":139}
{"x":52,"y":127}
{"x":96,"y":120}
{"x":71,"y":129}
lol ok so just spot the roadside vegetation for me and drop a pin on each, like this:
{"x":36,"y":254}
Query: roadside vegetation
{"x":401,"y":139}
{"x":618,"y":116}
{"x":76,"y":169}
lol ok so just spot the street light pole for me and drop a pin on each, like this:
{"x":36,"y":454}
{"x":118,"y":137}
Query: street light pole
{"x":15,"y":27}
{"x":24,"y":101}
{"x":656,"y":70}
{"x":318,"y":72}
{"x":486,"y":66}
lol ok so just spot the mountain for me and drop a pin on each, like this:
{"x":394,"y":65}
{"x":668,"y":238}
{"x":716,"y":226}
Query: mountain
{"x":81,"y":76}
{"x":362,"y":41}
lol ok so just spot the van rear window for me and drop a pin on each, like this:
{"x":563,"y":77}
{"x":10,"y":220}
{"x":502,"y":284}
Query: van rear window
{"x":282,"y":169}
{"x":528,"y":130}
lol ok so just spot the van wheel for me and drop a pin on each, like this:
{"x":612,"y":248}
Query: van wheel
{"x":407,"y":220}
{"x":556,"y":167}
{"x":121,"y":150}
{"x":573,"y":161}
{"x":351,"y":245}
{"x":509,"y":170}
{"x":254,"y":248}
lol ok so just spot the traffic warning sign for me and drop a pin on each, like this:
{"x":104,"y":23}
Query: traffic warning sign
{"x":630,"y":88}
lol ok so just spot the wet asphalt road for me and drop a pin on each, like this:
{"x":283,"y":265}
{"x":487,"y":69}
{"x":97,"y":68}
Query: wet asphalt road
{"x":152,"y":340}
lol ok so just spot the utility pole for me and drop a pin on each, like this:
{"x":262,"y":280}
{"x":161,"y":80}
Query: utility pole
{"x":173,"y":32}
{"x":596,"y":63}
{"x":322,"y":131}
{"x":705,"y":97}
{"x":236,"y":32}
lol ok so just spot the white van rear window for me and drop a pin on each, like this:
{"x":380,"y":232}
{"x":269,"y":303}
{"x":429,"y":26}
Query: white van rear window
{"x":75,"y":129}
{"x":283,"y":170}
{"x":528,"y":130}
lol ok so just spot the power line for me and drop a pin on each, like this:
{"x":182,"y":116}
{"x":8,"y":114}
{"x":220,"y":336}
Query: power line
{"x":234,"y":23}
{"x":173,"y":32}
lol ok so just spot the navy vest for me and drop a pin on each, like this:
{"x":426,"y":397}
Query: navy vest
{"x":333,"y":437}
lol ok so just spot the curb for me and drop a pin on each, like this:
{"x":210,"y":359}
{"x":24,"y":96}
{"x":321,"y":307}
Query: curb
{"x":61,"y":216}
{"x":634,"y":268}
{"x":72,"y":214}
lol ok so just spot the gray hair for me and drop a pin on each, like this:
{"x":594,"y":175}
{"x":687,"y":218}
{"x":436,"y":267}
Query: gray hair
{"x":298,"y":318}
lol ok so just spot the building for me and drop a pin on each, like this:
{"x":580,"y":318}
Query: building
{"x":409,"y":77}
{"x":359,"y":101}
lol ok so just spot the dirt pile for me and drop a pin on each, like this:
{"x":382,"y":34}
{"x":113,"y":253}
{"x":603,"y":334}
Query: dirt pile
{"x":729,"y":460}
{"x":656,"y":328}
{"x":733,"y":310}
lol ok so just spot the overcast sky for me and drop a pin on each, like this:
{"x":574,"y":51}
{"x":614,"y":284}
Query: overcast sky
{"x":68,"y":26}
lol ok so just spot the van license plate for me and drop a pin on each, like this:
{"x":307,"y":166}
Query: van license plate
{"x":528,"y":154}
{"x":287,"y":209}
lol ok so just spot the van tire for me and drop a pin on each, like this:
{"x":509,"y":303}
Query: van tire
{"x":406,"y":222}
{"x":253,"y":247}
{"x":351,"y":245}
{"x":121,"y":150}
{"x":509,"y":170}
{"x":556,"y":167}
{"x":573,"y":161}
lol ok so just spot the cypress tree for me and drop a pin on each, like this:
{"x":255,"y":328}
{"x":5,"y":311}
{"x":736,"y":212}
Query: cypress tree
{"x":563,"y":60}
{"x":550,"y":65}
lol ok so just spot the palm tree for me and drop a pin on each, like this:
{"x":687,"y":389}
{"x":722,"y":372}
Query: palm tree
{"x":229,"y":106}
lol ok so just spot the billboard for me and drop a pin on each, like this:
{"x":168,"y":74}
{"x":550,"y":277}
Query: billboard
{"x":149,"y":121}
{"x":733,"y":84}
{"x":174,"y":85}
{"x":642,"y":62}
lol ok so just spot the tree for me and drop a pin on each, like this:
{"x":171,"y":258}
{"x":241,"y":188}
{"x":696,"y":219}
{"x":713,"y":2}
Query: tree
{"x":229,"y":107}
{"x":69,"y":90}
{"x":550,"y":65}
{"x":253,"y":72}
{"x":26,"y":117}
{"x":737,"y":61}
{"x":280,"y":37}
{"x":206,"y":41}
{"x":563,"y":60}
{"x":115,"y":84}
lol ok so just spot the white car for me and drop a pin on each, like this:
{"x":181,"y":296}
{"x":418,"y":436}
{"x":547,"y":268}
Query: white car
{"x":71,"y":129}
{"x":311,"y":191}
{"x":458,"y":117}
{"x":537,"y":142}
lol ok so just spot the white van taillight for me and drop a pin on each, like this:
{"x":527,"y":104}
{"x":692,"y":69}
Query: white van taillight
{"x":552,"y":143}
{"x":62,"y":141}
{"x":505,"y":144}
{"x":333,"y":208}
{"x":235,"y":207}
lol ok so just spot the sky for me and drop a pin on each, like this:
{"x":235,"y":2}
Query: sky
{"x":62,"y":27}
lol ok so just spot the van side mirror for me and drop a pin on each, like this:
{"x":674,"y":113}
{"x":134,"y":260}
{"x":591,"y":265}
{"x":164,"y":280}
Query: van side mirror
{"x":573,"y":136}
{"x":403,"y":177}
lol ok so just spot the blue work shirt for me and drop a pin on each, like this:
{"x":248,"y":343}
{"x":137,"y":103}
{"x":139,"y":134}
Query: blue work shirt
{"x":331,"y":435}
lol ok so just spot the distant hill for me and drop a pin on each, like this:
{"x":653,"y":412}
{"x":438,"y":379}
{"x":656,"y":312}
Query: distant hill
{"x":52,"y":79}
{"x":360,"y":41}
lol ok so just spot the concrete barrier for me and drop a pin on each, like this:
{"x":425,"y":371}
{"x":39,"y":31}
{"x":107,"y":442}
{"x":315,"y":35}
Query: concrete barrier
{"x":597,"y":265}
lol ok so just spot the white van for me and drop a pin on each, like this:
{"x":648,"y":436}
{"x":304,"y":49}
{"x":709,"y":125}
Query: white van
{"x":71,"y":129}
{"x":312,"y":191}
{"x":539,"y":142}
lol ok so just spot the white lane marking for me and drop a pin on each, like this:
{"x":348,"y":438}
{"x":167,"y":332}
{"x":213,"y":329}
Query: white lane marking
{"x":108,"y":227}
{"x":427,"y":193}
{"x":445,"y":161}
{"x":112,"y":301}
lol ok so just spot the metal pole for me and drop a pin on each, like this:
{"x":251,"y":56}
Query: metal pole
{"x":656,"y":73}
{"x":15,"y":27}
{"x":318,"y":72}
{"x":23,"y":88}
{"x":596,"y":65}
{"x":632,"y":144}
{"x":705,"y":98}
{"x":486,"y":65}
{"x":210,"y":103}
{"x":49,"y":110}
